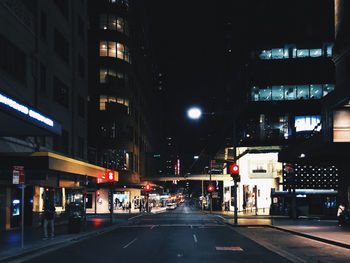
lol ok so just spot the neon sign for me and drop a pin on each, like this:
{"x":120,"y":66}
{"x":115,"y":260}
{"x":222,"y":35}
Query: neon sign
{"x":25,"y":110}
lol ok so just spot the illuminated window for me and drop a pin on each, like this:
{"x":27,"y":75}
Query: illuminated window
{"x":277,"y":93}
{"x":255,"y":94}
{"x":120,"y":51}
{"x":290,"y":92}
{"x":316,"y":91}
{"x":303,"y":92}
{"x":307,"y":123}
{"x":112,"y":22}
{"x":103,"y":49}
{"x":265,"y":94}
{"x":327,"y":88}
{"x":103,"y":100}
{"x":277,"y":53}
{"x":265,"y":54}
{"x":112,"y":49}
{"x":329,"y":50}
{"x":302,"y":53}
{"x":316,"y":52}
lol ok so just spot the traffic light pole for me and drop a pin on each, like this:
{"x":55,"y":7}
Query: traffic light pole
{"x":235,"y":219}
{"x":211,"y":193}
{"x":111,"y":203}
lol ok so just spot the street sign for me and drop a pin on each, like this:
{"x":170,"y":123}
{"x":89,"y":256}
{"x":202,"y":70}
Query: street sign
{"x":18,"y":175}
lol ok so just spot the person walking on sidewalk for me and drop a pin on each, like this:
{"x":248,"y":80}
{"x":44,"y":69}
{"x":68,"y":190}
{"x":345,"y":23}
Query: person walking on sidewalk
{"x":49,"y":217}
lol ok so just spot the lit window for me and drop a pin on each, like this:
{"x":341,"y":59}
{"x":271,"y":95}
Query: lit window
{"x":316,"y":52}
{"x":289,"y":92}
{"x":277,"y":53}
{"x":277,"y":93}
{"x":327,"y":88}
{"x":120,"y":51}
{"x":120,"y":24}
{"x":255,"y":94}
{"x":265,"y":54}
{"x":265,"y":94}
{"x":112,"y":22}
{"x":316,"y":91}
{"x":303,"y":92}
{"x":103,"y":48}
{"x":329,"y":50}
{"x":302,"y":53}
{"x":286,"y":53}
{"x":103,"y":100}
{"x":112,"y":49}
{"x":103,"y":75}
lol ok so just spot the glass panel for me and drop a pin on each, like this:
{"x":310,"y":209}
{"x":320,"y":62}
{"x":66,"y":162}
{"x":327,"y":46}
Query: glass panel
{"x":277,"y":53}
{"x":329,"y":50}
{"x":302,"y":92}
{"x":112,"y":24}
{"x":315,"y":91}
{"x":316,"y":52}
{"x":265,"y":94}
{"x":112,"y":99}
{"x":103,"y":75}
{"x":120,"y":51}
{"x":302,"y":53}
{"x":120,"y":24}
{"x":255,"y":94}
{"x":294,"y":52}
{"x":286,"y":53}
{"x":120,"y":75}
{"x":112,"y":73}
{"x":265,"y":54}
{"x":290,"y":92}
{"x":112,"y":49}
{"x":103,"y":48}
{"x":103,"y":21}
{"x":103,"y":100}
{"x":277,"y":92}
{"x":327,"y":88}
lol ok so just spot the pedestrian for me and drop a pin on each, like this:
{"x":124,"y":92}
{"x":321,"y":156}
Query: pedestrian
{"x":129,"y":207}
{"x":49,"y":217}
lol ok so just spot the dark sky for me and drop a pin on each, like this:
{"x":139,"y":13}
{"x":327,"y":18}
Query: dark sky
{"x":188,"y":39}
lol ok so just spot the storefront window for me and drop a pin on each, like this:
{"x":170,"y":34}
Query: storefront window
{"x":265,"y":94}
{"x":277,"y":53}
{"x":265,"y":54}
{"x":302,"y":53}
{"x":316,"y":52}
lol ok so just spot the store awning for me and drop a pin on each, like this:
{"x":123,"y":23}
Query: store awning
{"x":39,"y":165}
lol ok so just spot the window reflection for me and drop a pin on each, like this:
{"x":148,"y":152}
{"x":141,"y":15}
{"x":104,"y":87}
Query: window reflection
{"x":302,"y":92}
{"x":290,"y":92}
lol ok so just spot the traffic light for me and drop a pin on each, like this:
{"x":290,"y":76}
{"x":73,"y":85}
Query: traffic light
{"x":234,"y":168}
{"x":110,"y":176}
{"x":98,"y":193}
{"x":148,"y":187}
{"x":234,"y":171}
{"x":210,"y":188}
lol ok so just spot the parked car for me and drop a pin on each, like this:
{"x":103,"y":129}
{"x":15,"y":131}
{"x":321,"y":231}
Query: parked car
{"x":170,"y":206}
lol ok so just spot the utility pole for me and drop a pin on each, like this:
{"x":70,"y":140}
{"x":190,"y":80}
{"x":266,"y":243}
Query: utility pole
{"x":235,"y":219}
{"x":111,"y":203}
{"x":211,"y":193}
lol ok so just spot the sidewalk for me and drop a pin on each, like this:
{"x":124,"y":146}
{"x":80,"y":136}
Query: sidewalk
{"x":322,"y":230}
{"x":10,"y":241}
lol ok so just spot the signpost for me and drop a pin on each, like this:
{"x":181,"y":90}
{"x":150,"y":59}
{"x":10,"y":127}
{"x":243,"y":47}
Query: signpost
{"x":19,"y":178}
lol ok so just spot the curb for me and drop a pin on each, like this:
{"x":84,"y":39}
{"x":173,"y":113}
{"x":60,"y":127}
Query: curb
{"x":331,"y":242}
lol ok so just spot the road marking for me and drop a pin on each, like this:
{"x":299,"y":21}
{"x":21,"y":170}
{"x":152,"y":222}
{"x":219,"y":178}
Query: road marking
{"x":255,"y":227}
{"x":195,"y":238}
{"x":191,"y":226}
{"x":153,"y":226}
{"x":130,"y":243}
{"x":229,"y":248}
{"x":134,"y":217}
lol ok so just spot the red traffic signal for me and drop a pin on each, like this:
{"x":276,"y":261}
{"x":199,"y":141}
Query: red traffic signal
{"x":148,"y":187}
{"x":234,"y":168}
{"x":110,"y":176}
{"x":210,"y":188}
{"x":98,"y":193}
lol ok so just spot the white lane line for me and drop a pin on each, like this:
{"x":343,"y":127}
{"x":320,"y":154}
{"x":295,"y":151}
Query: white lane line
{"x":191,"y":226}
{"x":130,"y":243}
{"x":195,"y":238}
{"x":153,"y":226}
{"x":134,"y":217}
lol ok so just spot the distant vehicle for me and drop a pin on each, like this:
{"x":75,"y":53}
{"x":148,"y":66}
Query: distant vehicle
{"x":170,"y":206}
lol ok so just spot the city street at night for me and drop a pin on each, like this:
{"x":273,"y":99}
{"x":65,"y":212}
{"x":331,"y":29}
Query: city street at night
{"x":174,"y":131}
{"x":187,"y":235}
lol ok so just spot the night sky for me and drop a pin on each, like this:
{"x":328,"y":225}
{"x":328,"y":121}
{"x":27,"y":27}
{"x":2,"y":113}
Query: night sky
{"x":189,"y":42}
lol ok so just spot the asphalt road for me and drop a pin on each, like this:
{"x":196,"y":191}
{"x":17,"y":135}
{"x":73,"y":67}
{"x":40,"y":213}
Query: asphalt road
{"x":181,"y":235}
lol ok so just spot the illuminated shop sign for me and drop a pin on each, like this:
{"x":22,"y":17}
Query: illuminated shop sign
{"x":307,"y":123}
{"x":25,"y":110}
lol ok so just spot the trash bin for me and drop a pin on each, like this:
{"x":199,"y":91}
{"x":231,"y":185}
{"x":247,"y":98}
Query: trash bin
{"x":74,"y":224}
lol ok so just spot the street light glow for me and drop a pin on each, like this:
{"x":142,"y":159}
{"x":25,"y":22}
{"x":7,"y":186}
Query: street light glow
{"x":194,"y":113}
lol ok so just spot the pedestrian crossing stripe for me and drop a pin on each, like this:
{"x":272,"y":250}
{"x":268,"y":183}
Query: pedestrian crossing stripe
{"x":229,"y":248}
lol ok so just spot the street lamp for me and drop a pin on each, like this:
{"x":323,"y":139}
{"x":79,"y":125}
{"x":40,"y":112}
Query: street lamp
{"x":194,"y":113}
